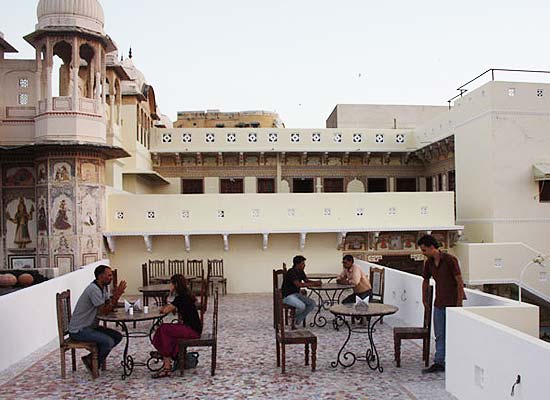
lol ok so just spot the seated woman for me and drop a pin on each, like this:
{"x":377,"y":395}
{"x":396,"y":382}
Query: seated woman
{"x":166,"y":337}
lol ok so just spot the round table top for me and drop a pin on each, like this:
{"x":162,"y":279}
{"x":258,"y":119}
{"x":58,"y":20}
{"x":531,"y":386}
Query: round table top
{"x":322,"y":275}
{"x":162,"y":287}
{"x":120,"y":315}
{"x":331,"y":286}
{"x":373,"y":309}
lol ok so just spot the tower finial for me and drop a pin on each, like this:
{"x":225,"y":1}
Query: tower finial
{"x":130,"y":52}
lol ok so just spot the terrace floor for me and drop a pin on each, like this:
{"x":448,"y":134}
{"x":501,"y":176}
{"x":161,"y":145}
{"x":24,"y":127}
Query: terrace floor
{"x":246,"y":367}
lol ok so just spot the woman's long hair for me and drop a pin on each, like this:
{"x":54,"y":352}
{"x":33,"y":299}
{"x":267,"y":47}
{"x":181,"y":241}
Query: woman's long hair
{"x":181,"y":286}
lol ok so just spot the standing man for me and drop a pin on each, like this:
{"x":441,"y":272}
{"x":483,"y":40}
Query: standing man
{"x":354,"y":275}
{"x":84,"y":325}
{"x":449,"y":292}
{"x":295,"y":279}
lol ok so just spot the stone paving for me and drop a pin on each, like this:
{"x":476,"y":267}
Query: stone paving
{"x":246,"y":367}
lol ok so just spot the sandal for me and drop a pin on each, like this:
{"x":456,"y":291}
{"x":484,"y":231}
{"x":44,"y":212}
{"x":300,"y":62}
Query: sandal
{"x":163,"y":373}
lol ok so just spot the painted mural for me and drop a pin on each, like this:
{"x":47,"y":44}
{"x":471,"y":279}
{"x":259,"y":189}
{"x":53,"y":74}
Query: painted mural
{"x":62,"y":172}
{"x":20,"y":224}
{"x":19,"y":176}
{"x":89,"y":212}
{"x":89,"y":172}
{"x":62,"y":211}
{"x":41,"y":173}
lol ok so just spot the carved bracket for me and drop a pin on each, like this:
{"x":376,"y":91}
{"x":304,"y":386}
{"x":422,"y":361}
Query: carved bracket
{"x":226,"y":242}
{"x":111,"y":243}
{"x":148,"y":242}
{"x":265,"y":239}
{"x":302,"y":240}
{"x":187,"y":239}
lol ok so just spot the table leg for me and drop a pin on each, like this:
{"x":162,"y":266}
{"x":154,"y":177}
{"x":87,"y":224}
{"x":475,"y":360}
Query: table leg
{"x":372,"y":353}
{"x":318,"y":319}
{"x":127,"y":360}
{"x":345,"y":359}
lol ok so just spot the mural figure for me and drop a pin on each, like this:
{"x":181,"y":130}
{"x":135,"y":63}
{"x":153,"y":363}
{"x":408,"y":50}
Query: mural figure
{"x":62,"y":174}
{"x":62,"y":220}
{"x":42,"y":220}
{"x":21,"y":219}
{"x":88,"y":220}
{"x":42,"y":173}
{"x":22,"y":177}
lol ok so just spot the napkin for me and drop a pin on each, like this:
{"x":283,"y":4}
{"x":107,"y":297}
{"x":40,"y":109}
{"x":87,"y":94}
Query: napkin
{"x":361,"y":302}
{"x":136,"y":305}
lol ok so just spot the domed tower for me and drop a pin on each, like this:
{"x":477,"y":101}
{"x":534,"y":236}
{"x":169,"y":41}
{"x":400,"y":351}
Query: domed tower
{"x":53,"y":189}
{"x":73,"y":31}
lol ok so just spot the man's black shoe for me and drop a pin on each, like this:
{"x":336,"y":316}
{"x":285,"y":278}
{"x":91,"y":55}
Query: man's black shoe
{"x":87,"y":361}
{"x":434,"y":368}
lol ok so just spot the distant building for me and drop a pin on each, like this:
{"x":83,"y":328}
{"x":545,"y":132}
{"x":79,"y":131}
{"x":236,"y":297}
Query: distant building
{"x":219,"y":119}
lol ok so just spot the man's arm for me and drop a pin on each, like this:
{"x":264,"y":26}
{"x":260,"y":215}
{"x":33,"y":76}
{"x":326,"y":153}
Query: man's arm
{"x":306,"y":284}
{"x":113,"y":301}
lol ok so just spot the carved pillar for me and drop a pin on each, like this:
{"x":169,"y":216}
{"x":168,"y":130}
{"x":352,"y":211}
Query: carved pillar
{"x":49,"y":66}
{"x":74,"y":74}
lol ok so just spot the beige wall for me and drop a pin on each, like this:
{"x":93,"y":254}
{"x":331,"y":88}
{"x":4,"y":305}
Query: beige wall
{"x":381,"y":211}
{"x":524,"y":318}
{"x":247,"y":267}
{"x":379,"y":116}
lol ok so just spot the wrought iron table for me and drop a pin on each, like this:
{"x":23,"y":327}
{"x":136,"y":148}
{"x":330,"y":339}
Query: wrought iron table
{"x":159,"y":292}
{"x":120,"y":317}
{"x":332,"y":293}
{"x":373,"y":311}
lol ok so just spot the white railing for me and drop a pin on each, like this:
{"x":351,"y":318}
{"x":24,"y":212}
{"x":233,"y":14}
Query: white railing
{"x":191,"y":140}
{"x":490,"y":340}
{"x":29,"y":316}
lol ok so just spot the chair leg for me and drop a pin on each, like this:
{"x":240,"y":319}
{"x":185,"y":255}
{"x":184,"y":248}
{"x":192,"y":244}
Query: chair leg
{"x":307,"y":353}
{"x":63,"y":366}
{"x":426,"y":351}
{"x":213,"y":367}
{"x":278,"y":349}
{"x":313,"y":356}
{"x":182,"y":357}
{"x":283,"y":358}
{"x":224,"y":288}
{"x":95,"y":364}
{"x":73,"y":358}
{"x":104,"y":365}
{"x":397,"y":351}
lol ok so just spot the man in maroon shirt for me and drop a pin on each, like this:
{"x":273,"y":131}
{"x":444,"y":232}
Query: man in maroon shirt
{"x":449,"y":292}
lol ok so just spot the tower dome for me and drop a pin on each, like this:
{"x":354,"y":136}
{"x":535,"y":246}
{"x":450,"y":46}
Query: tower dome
{"x":87,"y":14}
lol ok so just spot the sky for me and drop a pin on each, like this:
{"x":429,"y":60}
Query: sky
{"x":302,"y":57}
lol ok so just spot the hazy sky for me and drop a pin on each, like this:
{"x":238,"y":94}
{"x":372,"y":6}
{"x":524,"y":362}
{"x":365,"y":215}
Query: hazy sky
{"x":300,"y":58}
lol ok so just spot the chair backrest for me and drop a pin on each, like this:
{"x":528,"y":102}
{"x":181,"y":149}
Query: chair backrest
{"x":144,"y":274}
{"x":63,"y":302}
{"x":194,"y":269}
{"x":215,"y":316}
{"x":279,"y":319}
{"x":284,"y":267}
{"x":278,"y":276}
{"x":156,"y":268}
{"x":376,"y":277}
{"x":114,"y":282}
{"x":176,"y":267}
{"x":428,"y":310}
{"x":204,"y":297}
{"x":215,"y":268}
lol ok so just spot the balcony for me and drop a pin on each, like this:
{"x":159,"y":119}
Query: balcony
{"x":65,"y":120}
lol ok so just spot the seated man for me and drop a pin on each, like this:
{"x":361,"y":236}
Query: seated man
{"x":84,"y":325}
{"x":354,"y":275}
{"x":295,"y":278}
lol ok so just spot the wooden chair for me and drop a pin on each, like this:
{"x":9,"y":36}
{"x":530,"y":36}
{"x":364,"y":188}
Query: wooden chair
{"x":215,"y":275}
{"x":206,"y":340}
{"x":278,"y":276}
{"x":376,"y":278}
{"x":282,"y":338}
{"x":176,"y":267}
{"x":63,"y":302}
{"x":195,"y":272}
{"x":424,"y":333}
{"x":202,"y":297}
{"x":156,"y":268}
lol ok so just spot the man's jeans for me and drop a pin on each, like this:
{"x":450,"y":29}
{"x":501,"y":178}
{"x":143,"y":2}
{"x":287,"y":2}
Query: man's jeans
{"x":303,"y":305}
{"x":439,"y":329}
{"x":105,"y":338}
